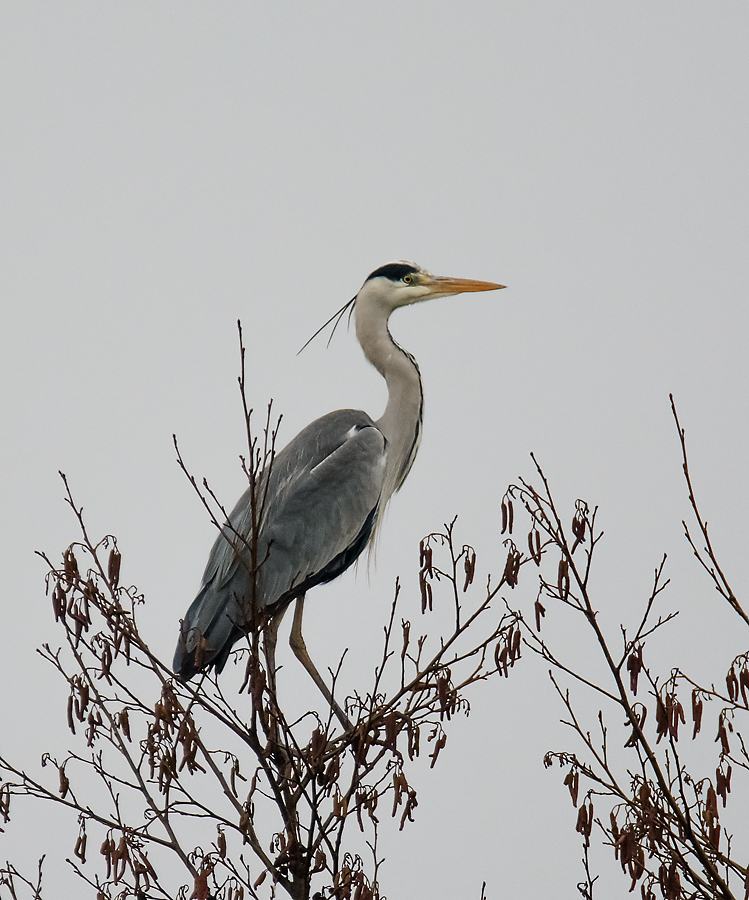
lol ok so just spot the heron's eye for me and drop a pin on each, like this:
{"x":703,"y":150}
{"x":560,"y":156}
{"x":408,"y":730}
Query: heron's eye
{"x":408,"y":279}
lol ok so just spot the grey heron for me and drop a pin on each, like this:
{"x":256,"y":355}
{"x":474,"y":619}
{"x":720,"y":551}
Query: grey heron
{"x":325,"y":494}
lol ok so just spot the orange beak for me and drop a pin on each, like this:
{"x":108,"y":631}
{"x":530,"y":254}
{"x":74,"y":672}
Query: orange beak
{"x":440,"y":286}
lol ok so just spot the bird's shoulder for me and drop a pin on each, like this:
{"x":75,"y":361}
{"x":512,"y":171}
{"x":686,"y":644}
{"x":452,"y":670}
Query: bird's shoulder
{"x":324,"y":437}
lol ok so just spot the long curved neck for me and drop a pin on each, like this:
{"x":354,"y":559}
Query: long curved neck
{"x":401,"y":421}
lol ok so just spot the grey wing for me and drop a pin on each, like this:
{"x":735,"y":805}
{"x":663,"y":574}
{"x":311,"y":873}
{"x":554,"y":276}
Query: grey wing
{"x":322,"y":498}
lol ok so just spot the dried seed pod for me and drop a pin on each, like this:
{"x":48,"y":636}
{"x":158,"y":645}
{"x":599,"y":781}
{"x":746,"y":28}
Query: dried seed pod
{"x":91,"y":730}
{"x":105,"y":852}
{"x":425,"y":558}
{"x":661,"y":718}
{"x":391,"y":730}
{"x":233,"y":775}
{"x":722,"y":736}
{"x":585,"y":821}
{"x":64,"y":783}
{"x":117,"y":638}
{"x":81,"y":708}
{"x":723,"y":784}
{"x":572,"y":781}
{"x":744,"y":684}
{"x":469,"y":565}
{"x":579,"y":523}
{"x":90,"y":595}
{"x":71,"y":566}
{"x":710,"y":812}
{"x":71,"y":726}
{"x":534,"y":545}
{"x":504,"y":517}
{"x":438,"y":745}
{"x":500,"y":659}
{"x":414,"y":733}
{"x":124,"y":722}
{"x":634,"y":667}
{"x":5,"y":803}
{"x":625,"y":845}
{"x":563,"y":579}
{"x":113,"y":568}
{"x":508,"y":636}
{"x":675,"y":715}
{"x":515,"y":649}
{"x":58,"y":603}
{"x":106,"y":663}
{"x":406,"y":628}
{"x":732,"y":684}
{"x":399,"y":785}
{"x":411,"y":804}
{"x":512,"y":565}
{"x":540,"y":612}
{"x":697,"y":708}
{"x":640,"y":714}
{"x":80,"y":847}
{"x":426,"y":593}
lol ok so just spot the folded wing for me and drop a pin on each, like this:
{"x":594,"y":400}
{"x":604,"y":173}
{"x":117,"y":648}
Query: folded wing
{"x":323,"y":492}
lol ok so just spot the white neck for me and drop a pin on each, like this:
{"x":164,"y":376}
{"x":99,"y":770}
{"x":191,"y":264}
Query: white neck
{"x":401,"y":421}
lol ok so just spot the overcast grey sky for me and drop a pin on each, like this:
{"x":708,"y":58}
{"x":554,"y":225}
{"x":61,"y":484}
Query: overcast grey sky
{"x":169,"y":167}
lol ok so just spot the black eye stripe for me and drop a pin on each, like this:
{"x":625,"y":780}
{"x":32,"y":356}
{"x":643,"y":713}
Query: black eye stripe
{"x":394,"y":271}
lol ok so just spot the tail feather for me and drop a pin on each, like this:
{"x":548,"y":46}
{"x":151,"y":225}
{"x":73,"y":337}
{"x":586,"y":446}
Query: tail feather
{"x":213,"y":624}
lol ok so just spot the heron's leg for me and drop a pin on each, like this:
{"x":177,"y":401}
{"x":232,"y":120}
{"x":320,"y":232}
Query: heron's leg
{"x":296,"y":642}
{"x":270,"y":637}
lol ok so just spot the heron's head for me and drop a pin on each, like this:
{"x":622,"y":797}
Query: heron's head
{"x":398,"y":284}
{"x":402,"y":283}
